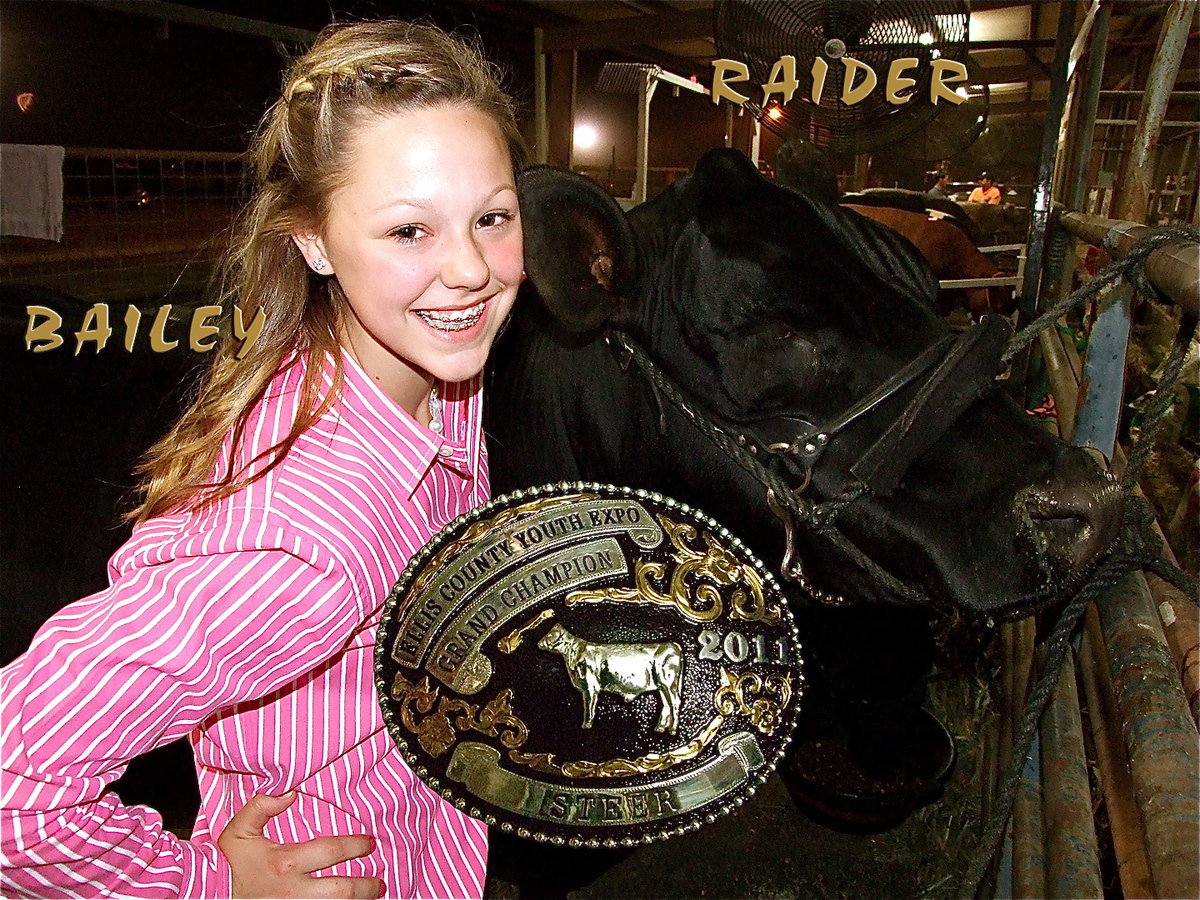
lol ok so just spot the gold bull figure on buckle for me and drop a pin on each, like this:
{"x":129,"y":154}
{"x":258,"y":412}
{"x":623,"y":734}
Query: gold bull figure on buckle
{"x":629,"y":670}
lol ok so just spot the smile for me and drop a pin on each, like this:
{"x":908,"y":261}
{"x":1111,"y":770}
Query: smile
{"x":455,"y":319}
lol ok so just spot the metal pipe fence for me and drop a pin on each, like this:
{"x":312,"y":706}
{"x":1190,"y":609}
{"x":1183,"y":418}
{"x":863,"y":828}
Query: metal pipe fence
{"x":1172,"y":269}
{"x":1135,"y":764}
{"x":137,"y":225}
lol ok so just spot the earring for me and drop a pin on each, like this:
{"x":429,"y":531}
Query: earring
{"x":524,"y":274}
{"x":318,"y":264}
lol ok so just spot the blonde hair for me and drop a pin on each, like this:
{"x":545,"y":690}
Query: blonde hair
{"x":299,"y":157}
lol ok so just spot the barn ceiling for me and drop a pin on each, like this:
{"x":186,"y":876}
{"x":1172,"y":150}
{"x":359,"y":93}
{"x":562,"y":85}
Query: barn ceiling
{"x":1013,"y":43}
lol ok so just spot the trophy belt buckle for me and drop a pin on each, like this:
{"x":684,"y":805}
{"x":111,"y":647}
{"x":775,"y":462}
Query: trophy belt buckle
{"x":589,"y":665}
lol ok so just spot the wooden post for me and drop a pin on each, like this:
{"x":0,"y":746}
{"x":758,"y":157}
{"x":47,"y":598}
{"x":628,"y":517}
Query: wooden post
{"x":541,"y":119}
{"x":561,"y":112}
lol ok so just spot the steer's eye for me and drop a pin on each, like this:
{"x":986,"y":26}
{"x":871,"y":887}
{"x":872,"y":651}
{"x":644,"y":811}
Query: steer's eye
{"x":770,"y":368}
{"x":786,"y":340}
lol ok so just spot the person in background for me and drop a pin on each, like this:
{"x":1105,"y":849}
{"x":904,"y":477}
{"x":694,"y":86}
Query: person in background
{"x":383,"y":239}
{"x":938,"y":190}
{"x":986,"y":192}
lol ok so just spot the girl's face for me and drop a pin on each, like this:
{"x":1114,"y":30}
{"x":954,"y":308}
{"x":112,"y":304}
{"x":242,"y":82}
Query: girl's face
{"x":425,"y":238}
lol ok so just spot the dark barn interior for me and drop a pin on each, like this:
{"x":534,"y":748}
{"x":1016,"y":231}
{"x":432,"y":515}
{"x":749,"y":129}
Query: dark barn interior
{"x":1087,"y":108}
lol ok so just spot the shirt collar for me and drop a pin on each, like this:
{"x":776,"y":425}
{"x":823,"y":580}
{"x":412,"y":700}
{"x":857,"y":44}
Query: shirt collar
{"x":391,"y":435}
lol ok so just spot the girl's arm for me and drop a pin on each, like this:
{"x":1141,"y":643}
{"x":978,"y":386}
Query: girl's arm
{"x":135,"y":666}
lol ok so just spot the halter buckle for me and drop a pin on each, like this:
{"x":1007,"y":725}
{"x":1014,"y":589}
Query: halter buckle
{"x":808,"y":446}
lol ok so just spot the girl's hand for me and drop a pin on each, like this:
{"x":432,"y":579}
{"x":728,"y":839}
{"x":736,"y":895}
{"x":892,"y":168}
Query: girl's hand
{"x":262,"y":868}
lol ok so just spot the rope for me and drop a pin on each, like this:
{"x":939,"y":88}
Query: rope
{"x":1135,"y":554}
{"x":1158,"y":407}
{"x":1135,"y":547}
{"x":1175,"y":576}
{"x":818,"y":516}
{"x":1130,"y":267}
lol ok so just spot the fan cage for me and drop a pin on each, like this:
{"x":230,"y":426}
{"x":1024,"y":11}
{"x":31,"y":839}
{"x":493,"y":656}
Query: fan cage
{"x":954,"y":128}
{"x":760,"y":32}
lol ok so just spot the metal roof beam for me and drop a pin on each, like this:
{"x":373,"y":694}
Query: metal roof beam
{"x":615,"y":34}
{"x":1006,"y":74}
{"x":1019,"y":108}
{"x":190,"y":15}
{"x":1012,"y":44}
{"x":519,"y":12}
{"x":681,"y":65}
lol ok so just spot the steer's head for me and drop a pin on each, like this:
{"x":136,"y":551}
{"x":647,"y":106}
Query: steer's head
{"x":767,"y":308}
{"x":553,"y":640}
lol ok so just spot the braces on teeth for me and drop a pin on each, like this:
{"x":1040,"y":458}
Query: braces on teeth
{"x":457,"y":320}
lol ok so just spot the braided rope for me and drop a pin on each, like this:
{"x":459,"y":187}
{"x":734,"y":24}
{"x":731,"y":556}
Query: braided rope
{"x":1133,"y":552}
{"x":1159,"y":405}
{"x":1126,"y":267}
{"x":1172,"y":574}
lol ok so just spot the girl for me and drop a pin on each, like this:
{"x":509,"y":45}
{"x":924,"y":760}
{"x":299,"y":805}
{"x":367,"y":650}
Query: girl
{"x":383,"y":241}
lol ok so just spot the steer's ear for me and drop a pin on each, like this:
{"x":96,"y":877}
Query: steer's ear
{"x":578,"y":246}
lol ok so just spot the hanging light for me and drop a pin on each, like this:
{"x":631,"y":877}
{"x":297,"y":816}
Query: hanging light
{"x":585,"y":136}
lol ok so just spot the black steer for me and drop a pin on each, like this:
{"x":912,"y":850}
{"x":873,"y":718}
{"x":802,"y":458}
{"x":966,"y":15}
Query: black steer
{"x":766,"y":308}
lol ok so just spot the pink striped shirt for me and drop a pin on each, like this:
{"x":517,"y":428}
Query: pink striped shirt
{"x":249,"y":627}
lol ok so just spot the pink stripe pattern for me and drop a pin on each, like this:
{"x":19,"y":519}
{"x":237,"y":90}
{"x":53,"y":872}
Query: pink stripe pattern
{"x":249,"y":628}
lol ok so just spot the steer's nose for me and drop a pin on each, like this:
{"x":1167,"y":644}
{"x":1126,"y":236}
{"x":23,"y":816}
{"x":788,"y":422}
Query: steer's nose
{"x":1073,"y":517}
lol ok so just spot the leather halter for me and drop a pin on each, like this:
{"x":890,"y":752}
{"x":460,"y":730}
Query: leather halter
{"x":963,"y":369}
{"x":811,"y":439}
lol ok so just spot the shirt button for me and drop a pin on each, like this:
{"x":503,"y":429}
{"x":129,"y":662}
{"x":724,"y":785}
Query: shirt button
{"x":445,"y":451}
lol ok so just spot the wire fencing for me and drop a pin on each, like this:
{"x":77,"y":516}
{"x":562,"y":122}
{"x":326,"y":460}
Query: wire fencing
{"x":138,"y":225}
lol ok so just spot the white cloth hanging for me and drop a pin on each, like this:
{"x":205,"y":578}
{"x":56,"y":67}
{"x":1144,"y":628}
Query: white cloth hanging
{"x":31,"y":191}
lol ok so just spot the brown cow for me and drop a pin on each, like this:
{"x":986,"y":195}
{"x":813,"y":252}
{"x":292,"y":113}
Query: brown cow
{"x":949,"y":253}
